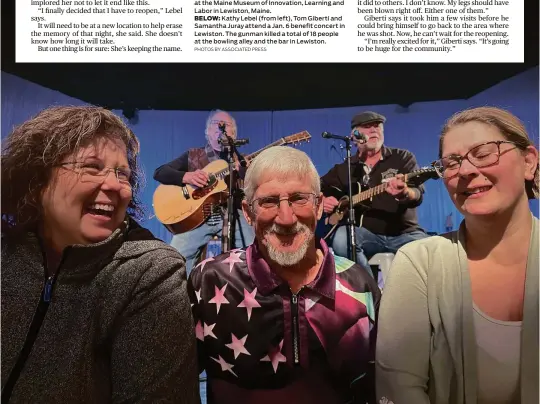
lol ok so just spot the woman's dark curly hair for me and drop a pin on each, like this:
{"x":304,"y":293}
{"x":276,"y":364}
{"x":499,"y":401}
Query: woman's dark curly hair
{"x":34,"y":148}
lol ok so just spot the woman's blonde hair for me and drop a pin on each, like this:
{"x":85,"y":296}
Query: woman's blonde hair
{"x":508,"y":124}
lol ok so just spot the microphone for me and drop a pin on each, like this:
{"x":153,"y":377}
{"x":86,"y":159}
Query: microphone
{"x":360,"y":136}
{"x":236,"y":142}
{"x":328,"y":135}
{"x":221,"y":126}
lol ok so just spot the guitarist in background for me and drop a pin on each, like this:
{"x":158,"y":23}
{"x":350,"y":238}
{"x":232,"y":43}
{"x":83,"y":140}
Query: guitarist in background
{"x":391,"y":220}
{"x":187,"y":169}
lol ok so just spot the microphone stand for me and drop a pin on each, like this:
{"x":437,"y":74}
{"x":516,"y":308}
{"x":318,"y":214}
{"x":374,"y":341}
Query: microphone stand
{"x":228,"y":233}
{"x":352,"y":231}
{"x":350,"y":219}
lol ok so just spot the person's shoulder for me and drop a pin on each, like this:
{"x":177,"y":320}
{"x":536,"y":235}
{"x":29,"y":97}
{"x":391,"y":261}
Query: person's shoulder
{"x":142,"y":251}
{"x":343,"y":264}
{"x":432,"y":242}
{"x":192,"y":150}
{"x":425,"y":251}
{"x":195,"y":150}
{"x":403,"y":153}
{"x":354,"y":274}
{"x":19,"y":242}
{"x":224,"y":266}
{"x":336,"y":166}
{"x":7,"y":241}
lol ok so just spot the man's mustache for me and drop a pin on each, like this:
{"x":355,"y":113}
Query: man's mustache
{"x":287,"y":230}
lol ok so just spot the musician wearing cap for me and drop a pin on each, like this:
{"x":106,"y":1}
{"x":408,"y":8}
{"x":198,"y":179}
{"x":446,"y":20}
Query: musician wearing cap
{"x":391,"y":219}
{"x":188,"y":169}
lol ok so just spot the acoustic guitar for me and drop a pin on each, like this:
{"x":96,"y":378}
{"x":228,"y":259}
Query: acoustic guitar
{"x":342,"y":209}
{"x":184,"y":208}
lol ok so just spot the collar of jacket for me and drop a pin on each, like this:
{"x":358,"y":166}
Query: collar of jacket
{"x":80,"y":259}
{"x":267,"y":280}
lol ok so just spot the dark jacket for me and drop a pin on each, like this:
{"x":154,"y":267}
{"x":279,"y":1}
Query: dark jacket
{"x":261,"y":344}
{"x":385,"y":215}
{"x":117,"y":328}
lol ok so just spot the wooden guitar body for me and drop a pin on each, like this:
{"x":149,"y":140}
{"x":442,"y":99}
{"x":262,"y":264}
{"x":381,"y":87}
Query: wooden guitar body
{"x":182,"y":209}
{"x":342,"y":210}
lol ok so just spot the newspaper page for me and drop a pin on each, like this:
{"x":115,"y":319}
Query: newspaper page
{"x":326,"y":31}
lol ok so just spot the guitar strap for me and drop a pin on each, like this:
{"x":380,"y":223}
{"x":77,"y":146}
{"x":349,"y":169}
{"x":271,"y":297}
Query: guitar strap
{"x":364,"y":184}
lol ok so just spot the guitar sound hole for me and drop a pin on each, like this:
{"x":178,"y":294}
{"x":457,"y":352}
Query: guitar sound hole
{"x":202,"y":192}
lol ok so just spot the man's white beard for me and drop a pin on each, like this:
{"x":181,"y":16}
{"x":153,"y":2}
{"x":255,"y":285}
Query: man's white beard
{"x":370,"y":146}
{"x":375,"y":146}
{"x":288,"y":259}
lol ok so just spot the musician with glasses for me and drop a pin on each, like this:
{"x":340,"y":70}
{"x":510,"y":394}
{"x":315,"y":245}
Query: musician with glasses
{"x":94,"y":307}
{"x":458,"y":321}
{"x":187,"y":169}
{"x":391,"y":220}
{"x":285,"y":321}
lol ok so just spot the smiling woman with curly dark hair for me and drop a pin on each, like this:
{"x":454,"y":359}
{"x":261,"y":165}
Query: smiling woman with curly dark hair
{"x":94,"y":308}
{"x":39,"y":145}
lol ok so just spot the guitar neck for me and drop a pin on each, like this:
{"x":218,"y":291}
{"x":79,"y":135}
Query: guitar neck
{"x":222,"y":173}
{"x":369,"y":193}
{"x":251,"y":156}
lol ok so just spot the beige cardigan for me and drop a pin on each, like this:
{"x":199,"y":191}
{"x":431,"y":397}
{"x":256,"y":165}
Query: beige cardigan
{"x":426,"y":349}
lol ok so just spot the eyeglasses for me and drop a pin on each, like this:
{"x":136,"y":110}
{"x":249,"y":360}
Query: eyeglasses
{"x":298,"y":202}
{"x":96,"y":173}
{"x":227,"y":124}
{"x":484,"y":155}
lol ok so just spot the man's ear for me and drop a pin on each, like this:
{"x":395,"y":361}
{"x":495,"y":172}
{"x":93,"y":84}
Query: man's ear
{"x":320,"y":206}
{"x":531,"y":162}
{"x":246,"y":210}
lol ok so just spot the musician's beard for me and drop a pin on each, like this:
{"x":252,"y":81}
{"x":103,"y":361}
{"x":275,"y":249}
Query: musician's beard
{"x":370,"y":146}
{"x":285,"y":258}
{"x":374,"y":147}
{"x":213,"y":140}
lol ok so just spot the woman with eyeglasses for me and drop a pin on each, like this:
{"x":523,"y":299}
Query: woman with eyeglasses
{"x":94,"y":308}
{"x":458,"y":321}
